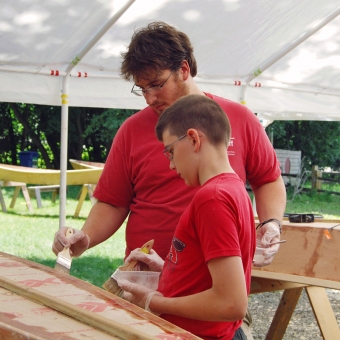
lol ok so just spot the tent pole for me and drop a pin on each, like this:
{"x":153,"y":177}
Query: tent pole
{"x":243,"y":94}
{"x":273,"y":59}
{"x":64,"y":108}
{"x":63,"y":151}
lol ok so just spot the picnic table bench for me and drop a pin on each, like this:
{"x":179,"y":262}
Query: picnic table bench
{"x":35,"y":191}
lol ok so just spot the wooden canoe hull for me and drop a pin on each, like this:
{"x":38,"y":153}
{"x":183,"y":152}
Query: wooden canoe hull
{"x":308,"y":257}
{"x":37,"y":302}
{"x":80,"y":164}
{"x":28,"y":175}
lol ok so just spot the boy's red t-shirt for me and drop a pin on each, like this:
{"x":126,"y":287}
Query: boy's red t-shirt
{"x":219,"y":222}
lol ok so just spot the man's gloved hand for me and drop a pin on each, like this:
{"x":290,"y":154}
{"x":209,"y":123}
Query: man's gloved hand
{"x":137,"y":294}
{"x":268,"y":233}
{"x":78,"y":242}
{"x":152,"y":260}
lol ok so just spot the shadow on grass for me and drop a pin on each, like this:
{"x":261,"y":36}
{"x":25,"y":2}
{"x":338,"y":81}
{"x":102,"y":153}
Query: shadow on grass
{"x":92,"y":269}
{"x":49,"y":208}
{"x":46,"y":215}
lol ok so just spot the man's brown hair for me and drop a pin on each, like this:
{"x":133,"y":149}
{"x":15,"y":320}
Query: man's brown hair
{"x":157,"y":47}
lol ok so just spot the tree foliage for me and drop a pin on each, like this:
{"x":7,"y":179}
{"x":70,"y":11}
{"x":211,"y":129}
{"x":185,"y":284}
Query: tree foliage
{"x":91,"y":131}
{"x":318,"y":141}
{"x":37,"y":128}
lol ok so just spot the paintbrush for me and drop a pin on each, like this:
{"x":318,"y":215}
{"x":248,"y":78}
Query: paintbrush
{"x":111,"y":284}
{"x":64,"y":258}
{"x":327,"y":231}
{"x":277,"y":242}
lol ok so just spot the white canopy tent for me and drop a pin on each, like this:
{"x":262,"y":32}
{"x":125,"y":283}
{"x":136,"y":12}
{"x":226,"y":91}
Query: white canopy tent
{"x":284,"y":54}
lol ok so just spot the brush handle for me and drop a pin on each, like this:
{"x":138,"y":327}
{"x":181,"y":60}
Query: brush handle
{"x":145,"y":249}
{"x":64,"y":258}
{"x":69,"y":232}
{"x":334,"y":226}
{"x":66,"y":251}
{"x":282,"y":241}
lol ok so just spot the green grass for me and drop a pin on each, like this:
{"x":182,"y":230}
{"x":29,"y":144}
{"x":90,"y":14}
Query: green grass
{"x":324,"y":204}
{"x":30,"y":235}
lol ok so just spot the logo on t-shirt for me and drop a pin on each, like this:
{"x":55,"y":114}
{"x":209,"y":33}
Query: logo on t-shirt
{"x":176,"y":247}
{"x":231,"y":151}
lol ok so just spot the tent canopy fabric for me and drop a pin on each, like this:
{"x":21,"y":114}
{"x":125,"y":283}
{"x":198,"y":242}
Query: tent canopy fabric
{"x":294,"y":46}
{"x":280,"y":58}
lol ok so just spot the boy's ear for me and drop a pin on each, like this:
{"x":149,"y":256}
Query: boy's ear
{"x":194,"y":139}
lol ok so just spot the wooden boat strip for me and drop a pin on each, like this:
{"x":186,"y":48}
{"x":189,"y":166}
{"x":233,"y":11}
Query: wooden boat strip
{"x":21,"y":318}
{"x":82,"y":315}
{"x":82,"y":301}
{"x":302,"y":280}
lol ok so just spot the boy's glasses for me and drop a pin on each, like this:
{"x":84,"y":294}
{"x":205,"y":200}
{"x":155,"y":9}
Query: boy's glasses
{"x":169,"y":153}
{"x":300,"y":218}
{"x":152,"y":90}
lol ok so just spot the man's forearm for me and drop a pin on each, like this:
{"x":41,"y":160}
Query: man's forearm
{"x":103,"y":221}
{"x":271,"y":200}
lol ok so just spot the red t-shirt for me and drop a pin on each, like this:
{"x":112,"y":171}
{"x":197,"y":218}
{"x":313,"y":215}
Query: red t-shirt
{"x":137,"y":175}
{"x":219,"y":222}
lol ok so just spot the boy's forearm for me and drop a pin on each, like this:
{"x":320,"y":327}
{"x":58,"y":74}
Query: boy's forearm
{"x":204,"y":306}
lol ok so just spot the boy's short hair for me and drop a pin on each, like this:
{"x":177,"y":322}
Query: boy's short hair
{"x":157,"y":47}
{"x":197,"y":112}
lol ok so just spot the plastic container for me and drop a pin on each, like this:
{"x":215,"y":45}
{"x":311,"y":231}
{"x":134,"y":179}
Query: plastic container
{"x":144,"y":278}
{"x":29,"y":158}
{"x":258,"y":257}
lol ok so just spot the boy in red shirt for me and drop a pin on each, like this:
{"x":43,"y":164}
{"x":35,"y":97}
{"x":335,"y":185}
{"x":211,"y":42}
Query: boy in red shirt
{"x":206,"y":275}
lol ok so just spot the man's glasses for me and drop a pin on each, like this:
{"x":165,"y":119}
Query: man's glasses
{"x":169,"y":153}
{"x":152,"y":90}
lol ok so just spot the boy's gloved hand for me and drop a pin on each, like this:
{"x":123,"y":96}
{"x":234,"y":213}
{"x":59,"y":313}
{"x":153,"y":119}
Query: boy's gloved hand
{"x":137,"y":294}
{"x":268,"y":233}
{"x":152,"y":260}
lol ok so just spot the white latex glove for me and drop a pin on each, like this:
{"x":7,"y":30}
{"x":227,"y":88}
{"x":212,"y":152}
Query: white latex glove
{"x":78,"y":242}
{"x":268,"y":233}
{"x":152,"y":260}
{"x":137,"y":294}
